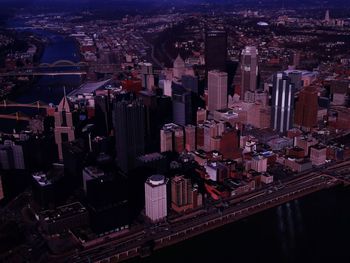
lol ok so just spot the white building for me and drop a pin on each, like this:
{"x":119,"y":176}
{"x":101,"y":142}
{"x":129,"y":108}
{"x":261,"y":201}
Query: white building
{"x":156,"y":197}
{"x":217,"y":90}
{"x":259,"y":164}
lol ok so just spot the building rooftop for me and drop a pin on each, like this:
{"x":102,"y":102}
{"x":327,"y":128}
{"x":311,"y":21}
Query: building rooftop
{"x":92,"y":172}
{"x":89,"y":87}
{"x":156,"y":179}
{"x":62,"y":212}
{"x":150,"y":157}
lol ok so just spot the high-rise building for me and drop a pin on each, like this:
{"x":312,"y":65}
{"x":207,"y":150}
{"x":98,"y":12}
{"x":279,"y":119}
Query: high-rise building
{"x":107,"y":201}
{"x":178,"y":68}
{"x":249,"y":73}
{"x":318,"y":154}
{"x":282,"y":103}
{"x":327,"y":17}
{"x":147,"y":77}
{"x":229,"y":143}
{"x":259,"y":164}
{"x":129,"y":127}
{"x":201,"y":115}
{"x":2,"y":194}
{"x":181,"y":193}
{"x":306,"y":108}
{"x":182,"y":106}
{"x":74,"y":153}
{"x":296,"y":58}
{"x":166,"y":140}
{"x":180,"y":190}
{"x":296,"y":79}
{"x":212,"y":131}
{"x":190,"y":137}
{"x":172,"y":138}
{"x":64,"y":126}
{"x":156,"y":197}
{"x":103,"y":115}
{"x":217,"y":90}
{"x":215,"y":50}
{"x":190,"y":83}
{"x":11,"y":156}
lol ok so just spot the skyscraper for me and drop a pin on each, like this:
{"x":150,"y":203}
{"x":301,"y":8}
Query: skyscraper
{"x":11,"y":156}
{"x":215,"y":50}
{"x":172,"y":138}
{"x":129,"y":127}
{"x":64,"y":127}
{"x":156,"y":197}
{"x":178,"y":68}
{"x":147,"y":77}
{"x":181,"y":193}
{"x":182,"y":106}
{"x":306,"y":108}
{"x":282,"y":103}
{"x":190,"y":137}
{"x":229,"y":143}
{"x":190,"y":83}
{"x":217,"y":90}
{"x":249,"y":72}
{"x":327,"y":17}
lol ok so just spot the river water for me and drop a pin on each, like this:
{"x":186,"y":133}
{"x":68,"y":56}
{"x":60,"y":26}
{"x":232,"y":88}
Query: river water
{"x":315,"y":228}
{"x":46,"y":88}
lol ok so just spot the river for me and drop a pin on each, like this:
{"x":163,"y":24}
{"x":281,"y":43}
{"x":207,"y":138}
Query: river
{"x":315,"y":228}
{"x":47,"y":89}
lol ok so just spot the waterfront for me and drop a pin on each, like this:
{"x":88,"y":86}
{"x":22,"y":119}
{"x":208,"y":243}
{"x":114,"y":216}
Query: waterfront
{"x":311,"y":229}
{"x":47,"y":89}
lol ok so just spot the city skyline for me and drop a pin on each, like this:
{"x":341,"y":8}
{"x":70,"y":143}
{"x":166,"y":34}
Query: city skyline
{"x":152,"y":131}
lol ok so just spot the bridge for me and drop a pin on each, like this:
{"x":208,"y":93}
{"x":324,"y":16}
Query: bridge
{"x":18,"y":116}
{"x":37,"y":73}
{"x":64,"y":68}
{"x":37,"y":104}
{"x":63,"y":63}
{"x":57,"y":68}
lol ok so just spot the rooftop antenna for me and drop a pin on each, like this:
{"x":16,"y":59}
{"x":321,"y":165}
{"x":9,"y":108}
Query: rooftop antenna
{"x":64,"y":91}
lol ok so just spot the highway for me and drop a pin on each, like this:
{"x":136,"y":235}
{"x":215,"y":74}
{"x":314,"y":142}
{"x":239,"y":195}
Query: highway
{"x":38,"y":73}
{"x":231,"y":209}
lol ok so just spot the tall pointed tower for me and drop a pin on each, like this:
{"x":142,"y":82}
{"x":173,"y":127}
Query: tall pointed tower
{"x":178,"y":68}
{"x":64,"y":128}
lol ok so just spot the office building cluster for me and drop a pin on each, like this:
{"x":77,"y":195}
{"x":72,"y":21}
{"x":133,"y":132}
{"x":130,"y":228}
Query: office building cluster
{"x":149,"y":144}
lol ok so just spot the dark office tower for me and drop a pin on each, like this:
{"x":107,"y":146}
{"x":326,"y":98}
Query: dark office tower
{"x":102,"y":115}
{"x":182,"y":106}
{"x":295,"y":79}
{"x":282,"y":103}
{"x":73,"y":159}
{"x":215,"y":50}
{"x":190,"y":83}
{"x":107,"y":202}
{"x":306,"y":108}
{"x":129,"y":127}
{"x":40,"y":152}
{"x":158,"y":111}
